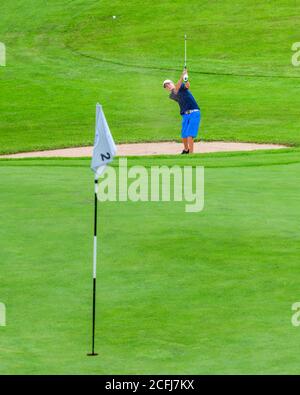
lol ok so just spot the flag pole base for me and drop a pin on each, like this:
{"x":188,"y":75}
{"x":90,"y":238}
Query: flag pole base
{"x":92,"y":354}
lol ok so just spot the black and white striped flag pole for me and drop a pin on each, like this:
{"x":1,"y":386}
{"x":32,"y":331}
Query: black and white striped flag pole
{"x":103,"y":153}
{"x":94,"y":269}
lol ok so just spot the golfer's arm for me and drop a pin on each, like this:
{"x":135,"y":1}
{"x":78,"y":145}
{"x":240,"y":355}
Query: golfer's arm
{"x":178,"y":85}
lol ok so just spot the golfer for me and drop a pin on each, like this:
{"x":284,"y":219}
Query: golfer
{"x":189,"y":110}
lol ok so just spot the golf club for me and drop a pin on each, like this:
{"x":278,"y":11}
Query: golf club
{"x":186,"y":77}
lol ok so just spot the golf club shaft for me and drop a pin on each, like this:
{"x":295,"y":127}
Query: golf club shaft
{"x":185,"y":51}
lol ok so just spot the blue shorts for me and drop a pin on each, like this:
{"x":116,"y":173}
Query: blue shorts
{"x":190,"y":124}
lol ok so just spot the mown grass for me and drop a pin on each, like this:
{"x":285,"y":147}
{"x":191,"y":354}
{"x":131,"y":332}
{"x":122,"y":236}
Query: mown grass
{"x":63,"y":57}
{"x":209,"y":292}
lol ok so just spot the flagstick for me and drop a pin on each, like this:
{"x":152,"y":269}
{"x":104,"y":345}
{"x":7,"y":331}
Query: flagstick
{"x":94,"y":270}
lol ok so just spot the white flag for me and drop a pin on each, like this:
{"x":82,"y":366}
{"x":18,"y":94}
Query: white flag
{"x":104,"y":146}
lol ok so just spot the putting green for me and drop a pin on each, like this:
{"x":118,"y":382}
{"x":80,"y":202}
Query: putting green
{"x":178,"y":293}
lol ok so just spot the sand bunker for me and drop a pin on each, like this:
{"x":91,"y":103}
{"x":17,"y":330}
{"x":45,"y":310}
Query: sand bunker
{"x":144,"y":149}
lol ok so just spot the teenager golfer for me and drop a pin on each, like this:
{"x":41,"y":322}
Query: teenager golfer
{"x":189,"y":110}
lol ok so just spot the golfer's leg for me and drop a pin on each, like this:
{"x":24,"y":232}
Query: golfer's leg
{"x":183,"y":132}
{"x":185,"y":144}
{"x":192,"y":131}
{"x":190,"y":144}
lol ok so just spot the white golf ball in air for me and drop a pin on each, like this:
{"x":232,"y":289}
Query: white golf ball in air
{"x":114,"y":17}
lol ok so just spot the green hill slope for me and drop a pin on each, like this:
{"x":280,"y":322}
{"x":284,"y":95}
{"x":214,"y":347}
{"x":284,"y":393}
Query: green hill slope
{"x":63,"y":57}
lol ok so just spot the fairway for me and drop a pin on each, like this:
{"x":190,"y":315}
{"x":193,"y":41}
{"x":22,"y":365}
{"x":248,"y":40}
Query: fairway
{"x":63,"y":57}
{"x":178,"y":293}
